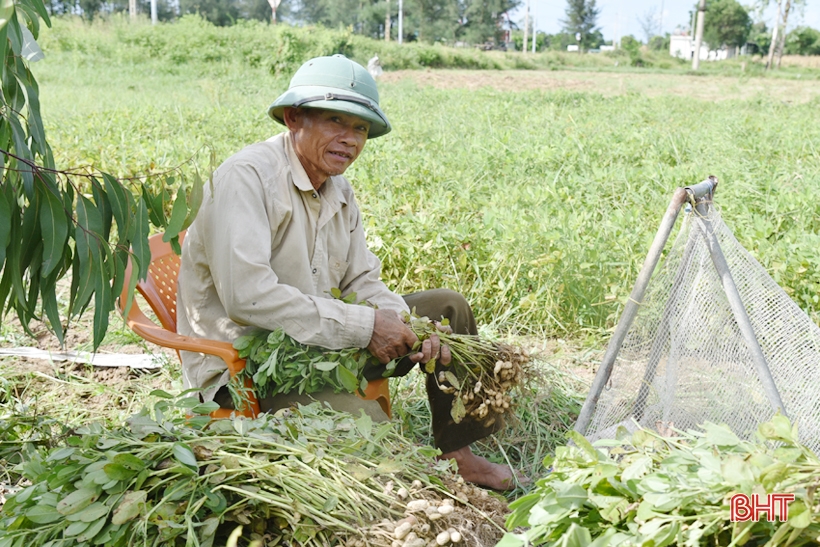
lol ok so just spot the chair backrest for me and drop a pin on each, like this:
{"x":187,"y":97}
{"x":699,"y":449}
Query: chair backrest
{"x":160,"y":287}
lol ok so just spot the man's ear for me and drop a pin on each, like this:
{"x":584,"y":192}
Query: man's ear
{"x":291,"y":117}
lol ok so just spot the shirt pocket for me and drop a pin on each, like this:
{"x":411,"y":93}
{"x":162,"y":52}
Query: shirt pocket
{"x":337,"y":268}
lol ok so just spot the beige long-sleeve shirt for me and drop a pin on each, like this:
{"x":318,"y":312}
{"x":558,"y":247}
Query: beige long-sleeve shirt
{"x":265,"y":251}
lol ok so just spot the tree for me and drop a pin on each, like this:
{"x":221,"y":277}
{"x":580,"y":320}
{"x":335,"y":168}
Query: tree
{"x":649,"y":24}
{"x":759,"y":37}
{"x":582,"y":17}
{"x":727,"y":23}
{"x":803,"y":41}
{"x":218,"y":12}
{"x":481,"y":20}
{"x":59,"y":222}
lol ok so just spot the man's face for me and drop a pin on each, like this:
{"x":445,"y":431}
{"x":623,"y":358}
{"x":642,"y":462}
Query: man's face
{"x":327,"y":142}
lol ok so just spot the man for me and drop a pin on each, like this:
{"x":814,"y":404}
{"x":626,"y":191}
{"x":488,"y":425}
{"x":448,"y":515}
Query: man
{"x":280,"y":228}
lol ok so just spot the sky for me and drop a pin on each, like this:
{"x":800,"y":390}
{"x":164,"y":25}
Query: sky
{"x":621,"y":17}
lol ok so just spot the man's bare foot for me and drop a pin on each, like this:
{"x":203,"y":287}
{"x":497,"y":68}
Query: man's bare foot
{"x":478,"y":470}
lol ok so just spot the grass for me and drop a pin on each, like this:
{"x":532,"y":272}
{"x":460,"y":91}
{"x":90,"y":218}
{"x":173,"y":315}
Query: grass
{"x":537,"y":204}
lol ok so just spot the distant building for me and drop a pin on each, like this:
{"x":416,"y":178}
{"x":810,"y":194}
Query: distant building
{"x":683,"y":46}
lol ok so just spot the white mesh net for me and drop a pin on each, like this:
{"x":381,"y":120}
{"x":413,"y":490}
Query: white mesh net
{"x":684,"y":360}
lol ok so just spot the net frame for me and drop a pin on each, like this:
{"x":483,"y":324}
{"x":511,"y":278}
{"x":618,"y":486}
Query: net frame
{"x":668,"y":365}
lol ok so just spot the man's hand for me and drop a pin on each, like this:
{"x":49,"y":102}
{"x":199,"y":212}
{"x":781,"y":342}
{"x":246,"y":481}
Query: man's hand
{"x":432,"y":349}
{"x":391,"y":338}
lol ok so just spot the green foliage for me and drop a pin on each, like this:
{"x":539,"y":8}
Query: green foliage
{"x":431,"y":21}
{"x":279,"y":364}
{"x":645,"y":489}
{"x":803,"y":41}
{"x":43,"y":210}
{"x":581,"y":18}
{"x":727,"y":23}
{"x":659,"y":43}
{"x":168,"y":479}
{"x":760,"y":37}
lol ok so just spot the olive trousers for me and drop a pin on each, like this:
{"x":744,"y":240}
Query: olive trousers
{"x":447,"y":435}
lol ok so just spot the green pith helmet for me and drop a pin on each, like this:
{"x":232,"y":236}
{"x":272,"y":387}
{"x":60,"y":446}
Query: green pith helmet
{"x":334,"y":83}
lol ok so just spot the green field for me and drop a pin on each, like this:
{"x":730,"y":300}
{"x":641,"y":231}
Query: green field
{"x":539,"y":205}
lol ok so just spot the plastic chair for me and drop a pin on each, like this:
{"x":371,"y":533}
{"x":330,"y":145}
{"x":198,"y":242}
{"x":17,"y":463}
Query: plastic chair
{"x":160,"y":291}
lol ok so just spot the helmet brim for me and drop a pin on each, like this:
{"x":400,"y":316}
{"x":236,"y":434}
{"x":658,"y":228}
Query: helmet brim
{"x":379,"y":124}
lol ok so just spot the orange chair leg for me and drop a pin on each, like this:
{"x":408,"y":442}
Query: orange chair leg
{"x":250,"y":408}
{"x":379,"y":390}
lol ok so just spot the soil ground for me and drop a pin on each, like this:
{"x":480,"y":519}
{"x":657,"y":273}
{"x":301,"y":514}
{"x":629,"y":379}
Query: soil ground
{"x":713,"y":88}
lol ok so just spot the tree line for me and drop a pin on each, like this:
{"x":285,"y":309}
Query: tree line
{"x":448,"y":21}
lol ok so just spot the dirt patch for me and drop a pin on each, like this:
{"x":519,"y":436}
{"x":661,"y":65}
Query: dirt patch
{"x":710,"y":88}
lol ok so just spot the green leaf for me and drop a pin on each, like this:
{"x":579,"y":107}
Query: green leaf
{"x":5,"y":226}
{"x":512,"y":540}
{"x":49,"y":298}
{"x":161,"y":394}
{"x":61,"y":454}
{"x":54,"y":228}
{"x":800,"y":516}
{"x":207,"y":532}
{"x":6,"y":12}
{"x":325,"y":366}
{"x":139,"y":244}
{"x":777,"y":429}
{"x":720,"y":435}
{"x":120,"y":206}
{"x":576,"y":536}
{"x":75,"y":528}
{"x":184,"y":455}
{"x":177,"y":219}
{"x":96,"y":510}
{"x":583,"y":444}
{"x":42,"y":514}
{"x":204,"y":408}
{"x":737,"y":471}
{"x":77,"y":500}
{"x":349,"y":380}
{"x":92,"y":530}
{"x":458,"y":411}
{"x":118,"y":472}
{"x":451,"y":377}
{"x":129,"y":508}
{"x":194,"y":200}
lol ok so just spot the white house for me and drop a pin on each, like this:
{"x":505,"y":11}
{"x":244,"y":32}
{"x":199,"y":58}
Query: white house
{"x":683,"y":46}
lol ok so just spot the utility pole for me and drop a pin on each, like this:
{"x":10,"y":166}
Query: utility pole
{"x":699,"y":34}
{"x":775,"y":34}
{"x":781,"y":43}
{"x":387,"y":23}
{"x":534,"y":33}
{"x":132,"y":9}
{"x":273,"y":5}
{"x":526,"y":27}
{"x":660,"y":22}
{"x":401,"y":20}
{"x":153,"y":12}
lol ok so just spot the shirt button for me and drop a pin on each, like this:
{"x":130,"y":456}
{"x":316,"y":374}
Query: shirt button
{"x":314,"y":270}
{"x":314,"y":195}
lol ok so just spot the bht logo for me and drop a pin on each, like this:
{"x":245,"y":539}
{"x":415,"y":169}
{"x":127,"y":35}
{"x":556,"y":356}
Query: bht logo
{"x":742,"y":509}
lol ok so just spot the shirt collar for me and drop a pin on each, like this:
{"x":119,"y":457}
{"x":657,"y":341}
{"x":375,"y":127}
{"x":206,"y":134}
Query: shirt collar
{"x":330,"y":189}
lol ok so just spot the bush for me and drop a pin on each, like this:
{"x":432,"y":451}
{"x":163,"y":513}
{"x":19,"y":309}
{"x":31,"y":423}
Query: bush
{"x":803,"y":41}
